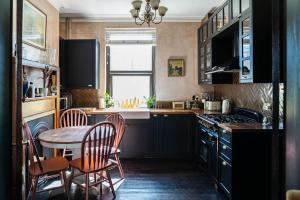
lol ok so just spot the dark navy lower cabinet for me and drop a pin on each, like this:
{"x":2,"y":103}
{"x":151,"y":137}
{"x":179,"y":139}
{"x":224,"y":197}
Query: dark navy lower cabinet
{"x":161,"y":136}
{"x":245,"y":164}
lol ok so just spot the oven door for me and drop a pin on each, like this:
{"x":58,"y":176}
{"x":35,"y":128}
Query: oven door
{"x":204,"y":144}
{"x":212,"y":162}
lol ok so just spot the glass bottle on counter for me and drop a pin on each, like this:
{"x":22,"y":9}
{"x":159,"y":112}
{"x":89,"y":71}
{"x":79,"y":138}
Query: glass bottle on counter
{"x":30,"y":91}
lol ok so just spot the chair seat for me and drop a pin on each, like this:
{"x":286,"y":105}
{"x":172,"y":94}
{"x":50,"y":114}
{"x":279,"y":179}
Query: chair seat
{"x":53,"y":165}
{"x":89,"y":167}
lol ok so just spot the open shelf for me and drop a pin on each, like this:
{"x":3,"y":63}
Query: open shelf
{"x":38,"y":65}
{"x":40,"y":98}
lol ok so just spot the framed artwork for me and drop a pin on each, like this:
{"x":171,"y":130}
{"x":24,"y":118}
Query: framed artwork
{"x":176,"y":67}
{"x":34,"y":26}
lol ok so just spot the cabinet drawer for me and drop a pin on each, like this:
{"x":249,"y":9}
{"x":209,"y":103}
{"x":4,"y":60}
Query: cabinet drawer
{"x":225,"y":152}
{"x":225,"y":138}
{"x":225,"y":176}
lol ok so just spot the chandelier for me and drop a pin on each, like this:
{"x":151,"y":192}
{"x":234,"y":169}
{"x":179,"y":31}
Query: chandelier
{"x":150,"y":13}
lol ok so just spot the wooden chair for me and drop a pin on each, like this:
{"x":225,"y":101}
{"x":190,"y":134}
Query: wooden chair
{"x":38,"y":168}
{"x":95,"y":152}
{"x":119,"y":123}
{"x":71,"y":118}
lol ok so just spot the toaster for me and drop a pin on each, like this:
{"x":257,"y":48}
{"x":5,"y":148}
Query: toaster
{"x":212,"y":105}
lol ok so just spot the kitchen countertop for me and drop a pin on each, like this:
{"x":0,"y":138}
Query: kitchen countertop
{"x":107,"y":111}
{"x":230,"y":127}
{"x":244,"y":127}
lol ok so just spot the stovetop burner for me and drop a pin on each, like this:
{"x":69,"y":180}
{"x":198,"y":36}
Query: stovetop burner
{"x":239,"y":115}
{"x":228,"y":118}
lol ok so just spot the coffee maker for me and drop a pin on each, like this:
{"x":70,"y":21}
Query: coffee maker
{"x":195,"y":102}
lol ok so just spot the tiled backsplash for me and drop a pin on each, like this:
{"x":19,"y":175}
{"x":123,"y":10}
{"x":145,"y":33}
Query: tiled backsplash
{"x":251,"y":96}
{"x":84,"y":97}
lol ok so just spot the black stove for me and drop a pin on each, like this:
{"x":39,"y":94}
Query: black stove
{"x":239,"y":115}
{"x":219,"y":119}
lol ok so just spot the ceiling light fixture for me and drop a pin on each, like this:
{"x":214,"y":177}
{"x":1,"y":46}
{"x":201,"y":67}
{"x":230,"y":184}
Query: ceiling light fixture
{"x":150,"y":12}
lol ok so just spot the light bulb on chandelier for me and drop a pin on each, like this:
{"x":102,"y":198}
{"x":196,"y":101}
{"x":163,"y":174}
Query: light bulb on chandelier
{"x":150,"y":13}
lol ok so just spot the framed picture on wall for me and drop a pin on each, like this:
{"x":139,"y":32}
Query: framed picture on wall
{"x":176,"y":67}
{"x":34,"y":26}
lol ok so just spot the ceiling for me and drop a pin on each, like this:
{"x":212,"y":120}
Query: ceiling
{"x":118,"y":10}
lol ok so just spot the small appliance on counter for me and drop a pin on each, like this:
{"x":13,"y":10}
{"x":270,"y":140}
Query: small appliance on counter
{"x":195,"y":102}
{"x":179,"y":105}
{"x":212,"y":105}
{"x":101,"y":103}
{"x":226,"y":106}
{"x":65,"y":101}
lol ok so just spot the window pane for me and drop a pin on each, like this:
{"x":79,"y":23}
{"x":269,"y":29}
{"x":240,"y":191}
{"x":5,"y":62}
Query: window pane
{"x":128,"y":87}
{"x":131,"y":57}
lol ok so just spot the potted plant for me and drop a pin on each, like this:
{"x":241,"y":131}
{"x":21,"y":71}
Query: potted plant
{"x":109,"y":102}
{"x":150,"y":101}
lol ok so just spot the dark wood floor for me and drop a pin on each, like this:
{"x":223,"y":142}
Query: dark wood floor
{"x":154,"y":180}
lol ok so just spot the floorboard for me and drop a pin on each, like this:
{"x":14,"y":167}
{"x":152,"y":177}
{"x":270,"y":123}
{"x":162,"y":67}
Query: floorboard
{"x":153,"y":180}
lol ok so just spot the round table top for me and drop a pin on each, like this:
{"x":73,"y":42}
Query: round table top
{"x":60,"y":138}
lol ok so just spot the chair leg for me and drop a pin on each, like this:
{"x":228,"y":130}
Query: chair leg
{"x":66,"y":187}
{"x":64,"y":152}
{"x":69,"y":183}
{"x":111,"y":184}
{"x":119,"y":166}
{"x":101,"y":190}
{"x":87,"y":183}
{"x":35,"y":181}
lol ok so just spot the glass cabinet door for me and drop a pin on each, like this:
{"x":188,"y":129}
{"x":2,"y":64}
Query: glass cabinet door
{"x":246,"y":46}
{"x":226,"y":15}
{"x":246,"y":26}
{"x":214,"y":24}
{"x":246,"y":49}
{"x":200,"y":35}
{"x":219,"y":20}
{"x":235,"y":8}
{"x":245,"y":4}
{"x":204,"y":32}
{"x":209,"y":28}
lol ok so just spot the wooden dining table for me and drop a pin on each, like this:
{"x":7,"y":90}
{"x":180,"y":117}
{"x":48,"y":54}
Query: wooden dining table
{"x":60,"y":138}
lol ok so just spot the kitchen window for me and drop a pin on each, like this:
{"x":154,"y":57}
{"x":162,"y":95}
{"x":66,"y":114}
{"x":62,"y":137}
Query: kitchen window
{"x":130,"y":63}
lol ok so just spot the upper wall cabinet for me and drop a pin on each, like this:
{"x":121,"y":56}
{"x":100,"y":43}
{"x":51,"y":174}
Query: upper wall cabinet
{"x":245,"y":27}
{"x":80,"y":64}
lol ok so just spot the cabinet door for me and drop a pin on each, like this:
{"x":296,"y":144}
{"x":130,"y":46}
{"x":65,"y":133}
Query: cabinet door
{"x":214,"y":24}
{"x":81,"y":64}
{"x":226,"y":14}
{"x":204,"y":29}
{"x":220,"y":20}
{"x":175,"y":137}
{"x":246,"y":46}
{"x":236,"y":8}
{"x":99,"y":118}
{"x":245,"y":4}
{"x":138,"y":139}
{"x":91,"y":119}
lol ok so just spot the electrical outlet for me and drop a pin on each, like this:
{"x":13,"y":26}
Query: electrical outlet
{"x":267,"y":107}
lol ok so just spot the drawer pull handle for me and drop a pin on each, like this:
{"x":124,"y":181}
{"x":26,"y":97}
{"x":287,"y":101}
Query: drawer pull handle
{"x":224,"y":131}
{"x":224,"y":147}
{"x":224,"y":163}
{"x":166,"y":115}
{"x":154,"y":115}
